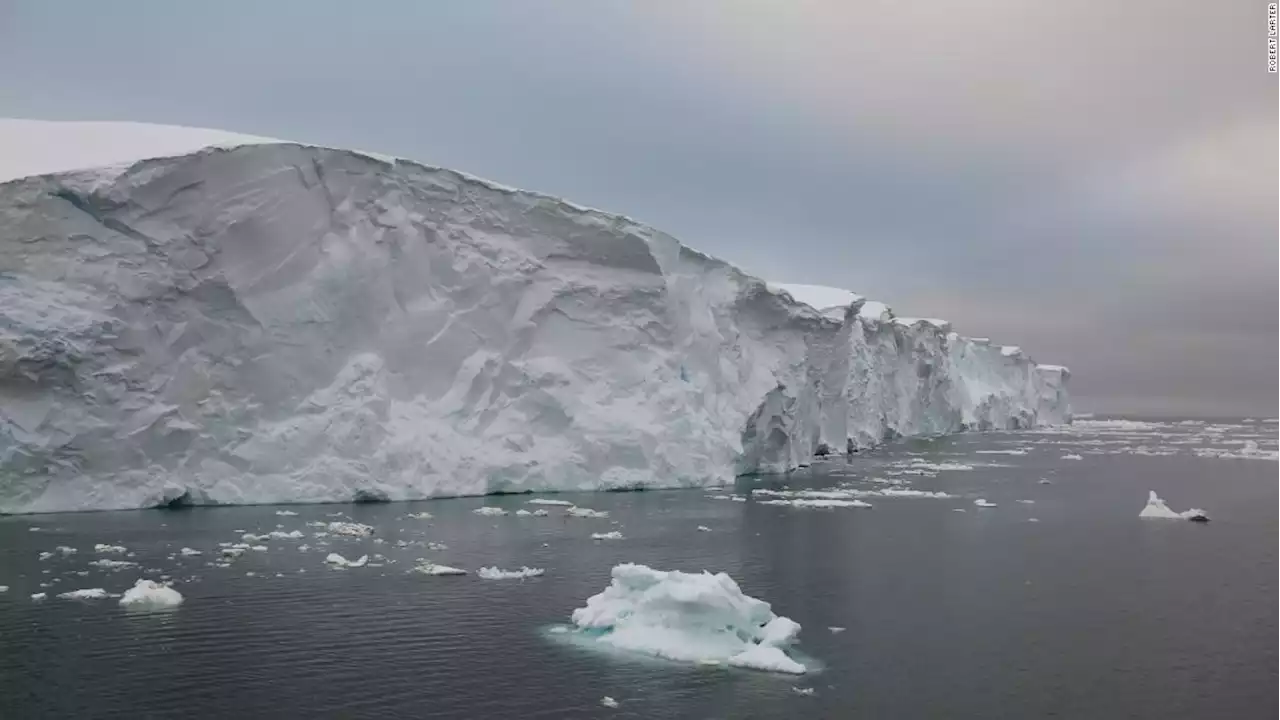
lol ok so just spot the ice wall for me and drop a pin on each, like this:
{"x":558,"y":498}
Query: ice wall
{"x":288,"y":323}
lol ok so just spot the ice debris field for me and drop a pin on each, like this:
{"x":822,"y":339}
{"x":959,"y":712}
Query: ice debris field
{"x":247,"y":324}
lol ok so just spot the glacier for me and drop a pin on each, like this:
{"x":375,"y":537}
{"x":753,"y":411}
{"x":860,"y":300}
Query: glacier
{"x":285,"y":323}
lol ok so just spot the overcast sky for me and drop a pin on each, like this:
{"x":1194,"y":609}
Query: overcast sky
{"x":1094,"y":180}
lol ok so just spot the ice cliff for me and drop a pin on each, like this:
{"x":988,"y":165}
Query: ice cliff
{"x":285,"y":323}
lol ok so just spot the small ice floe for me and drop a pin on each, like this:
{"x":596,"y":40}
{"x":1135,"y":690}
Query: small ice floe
{"x":608,"y":702}
{"x":1044,"y":481}
{"x":286,"y":513}
{"x":4,"y":588}
{"x":540,"y":513}
{"x":1027,"y":502}
{"x":981,"y":502}
{"x":1156,"y":508}
{"x":420,"y":516}
{"x":189,"y":552}
{"x":802,"y":691}
{"x":86,"y":594}
{"x":45,"y":555}
{"x":703,"y":528}
{"x":337,"y":561}
{"x":437,"y":546}
{"x":1001,"y":452}
{"x":281,"y":535}
{"x":107,"y":564}
{"x":958,"y":510}
{"x":150,"y":595}
{"x":836,"y":630}
{"x":489,"y":511}
{"x":1073,"y":457}
{"x":258,"y":548}
{"x":817,"y":503}
{"x":688,"y":617}
{"x":234,"y":551}
{"x":37,"y":597}
{"x":1033,"y":519}
{"x":64,"y":550}
{"x":110,"y":549}
{"x":426,"y":567}
{"x":547,"y":501}
{"x":523,"y":513}
{"x":615,"y":535}
{"x":350,"y":529}
{"x":494,"y":573}
{"x":581,"y":512}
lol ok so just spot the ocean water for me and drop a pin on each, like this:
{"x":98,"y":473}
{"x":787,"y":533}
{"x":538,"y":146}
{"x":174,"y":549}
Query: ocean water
{"x":1065,"y":606}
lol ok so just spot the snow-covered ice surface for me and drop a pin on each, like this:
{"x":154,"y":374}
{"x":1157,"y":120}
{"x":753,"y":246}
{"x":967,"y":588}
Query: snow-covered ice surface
{"x":280,"y":323}
{"x":688,"y":617}
{"x":150,"y":595}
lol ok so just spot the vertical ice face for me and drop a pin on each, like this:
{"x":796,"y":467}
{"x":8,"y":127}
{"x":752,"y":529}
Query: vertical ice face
{"x":286,"y":323}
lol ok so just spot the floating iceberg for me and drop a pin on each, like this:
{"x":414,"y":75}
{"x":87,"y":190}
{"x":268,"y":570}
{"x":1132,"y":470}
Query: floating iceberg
{"x":545,"y":501}
{"x":489,"y":511}
{"x":688,"y":617}
{"x":581,"y":512}
{"x":1072,"y":457}
{"x":149,"y":595}
{"x":339,"y":561}
{"x":107,"y":564}
{"x":980,"y":502}
{"x":189,"y":552}
{"x":1156,"y":508}
{"x":426,"y":567}
{"x":614,"y":535}
{"x":350,"y":529}
{"x":86,"y":594}
{"x":110,"y":549}
{"x":493,"y":573}
{"x":320,"y":325}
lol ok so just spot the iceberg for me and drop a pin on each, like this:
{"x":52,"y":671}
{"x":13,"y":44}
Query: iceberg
{"x":613,"y":535}
{"x":688,"y":617}
{"x":1156,"y":508}
{"x":494,"y":573}
{"x":86,"y":594}
{"x":338,"y":561}
{"x":150,"y":595}
{"x":426,"y":567}
{"x":281,"y":323}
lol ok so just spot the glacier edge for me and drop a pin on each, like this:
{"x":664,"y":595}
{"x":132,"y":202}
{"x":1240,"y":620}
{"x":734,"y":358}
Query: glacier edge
{"x":285,"y":323}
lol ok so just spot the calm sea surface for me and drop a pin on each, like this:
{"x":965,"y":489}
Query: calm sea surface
{"x":1066,"y":606}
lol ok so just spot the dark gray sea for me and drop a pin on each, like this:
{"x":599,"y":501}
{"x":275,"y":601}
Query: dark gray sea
{"x":1057,"y":602}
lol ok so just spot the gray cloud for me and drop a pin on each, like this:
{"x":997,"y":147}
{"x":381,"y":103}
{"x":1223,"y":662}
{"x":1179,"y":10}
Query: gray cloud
{"x":1095,"y":181}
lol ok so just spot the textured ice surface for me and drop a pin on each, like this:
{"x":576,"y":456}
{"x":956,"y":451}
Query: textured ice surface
{"x":690,"y":618}
{"x":1156,"y":508}
{"x":427,"y":567}
{"x":150,"y":595}
{"x":282,"y":323}
{"x":494,"y":573}
{"x":339,"y":561}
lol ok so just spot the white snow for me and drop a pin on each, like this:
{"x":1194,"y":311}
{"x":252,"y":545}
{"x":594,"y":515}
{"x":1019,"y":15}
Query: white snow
{"x":1156,"y":508}
{"x":150,"y":595}
{"x":426,"y":567}
{"x":339,"y":561}
{"x":688,"y":617}
{"x":581,"y":512}
{"x":86,"y":594}
{"x":39,"y":147}
{"x":308,"y":327}
{"x":980,"y":502}
{"x":493,"y":573}
{"x":819,"y":297}
{"x":489,"y":511}
{"x":614,"y":535}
